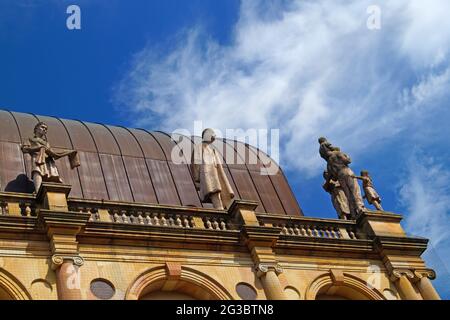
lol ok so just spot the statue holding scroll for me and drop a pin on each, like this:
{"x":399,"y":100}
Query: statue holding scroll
{"x":43,"y":157}
{"x":209,"y":175}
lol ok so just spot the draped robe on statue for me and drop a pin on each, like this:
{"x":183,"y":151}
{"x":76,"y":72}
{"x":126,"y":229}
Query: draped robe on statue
{"x":208,"y":171}
{"x":43,"y":159}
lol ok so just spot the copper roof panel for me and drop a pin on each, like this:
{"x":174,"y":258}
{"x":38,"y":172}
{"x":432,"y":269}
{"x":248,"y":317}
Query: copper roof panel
{"x":140,"y":181}
{"x":116,"y":178}
{"x":149,"y":145}
{"x":246,"y":188}
{"x":267,"y":193}
{"x":26,"y":123}
{"x":69,"y":176}
{"x":185,"y":185}
{"x":127,"y":143}
{"x":8,"y":128}
{"x":12,"y":173}
{"x":91,"y":176}
{"x":163,"y":182}
{"x":165,"y":142}
{"x":286,"y":195}
{"x":103,"y":138}
{"x":79,"y":135}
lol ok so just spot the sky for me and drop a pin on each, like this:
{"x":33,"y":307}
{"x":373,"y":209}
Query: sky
{"x":378,"y":89}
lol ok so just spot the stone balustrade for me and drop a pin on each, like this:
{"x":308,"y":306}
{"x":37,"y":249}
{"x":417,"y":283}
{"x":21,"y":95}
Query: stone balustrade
{"x":187,"y":218}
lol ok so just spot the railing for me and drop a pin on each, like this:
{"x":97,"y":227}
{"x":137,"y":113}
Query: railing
{"x":183,"y":217}
{"x":17,"y":205}
{"x":153,"y":215}
{"x":311,"y":227}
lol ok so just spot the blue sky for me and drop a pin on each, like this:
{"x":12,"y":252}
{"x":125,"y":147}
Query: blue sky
{"x":309,"y":68}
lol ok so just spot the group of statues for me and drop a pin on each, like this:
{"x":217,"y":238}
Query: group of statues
{"x":209,"y":175}
{"x":342,"y":183}
{"x":210,"y":178}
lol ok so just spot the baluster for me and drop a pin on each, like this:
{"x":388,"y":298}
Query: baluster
{"x":140,"y":218}
{"x":163,"y":220}
{"x":350,"y":233}
{"x":171,"y":222}
{"x":3,"y":208}
{"x":28,"y":209}
{"x":208,"y":224}
{"x":215,"y":224}
{"x":124,"y":217}
{"x":223,"y":225}
{"x":338,"y":233}
{"x":116,"y":216}
{"x":296,"y":230}
{"x":303,"y":230}
{"x":284,"y":230}
{"x":186,"y":222}
{"x":178,"y":222}
{"x":332,"y":233}
{"x":134,"y":217}
{"x":156,"y":220}
{"x":309,"y":231}
{"x":192,"y":222}
{"x":291,"y":230}
{"x":91,"y":218}
{"x":148,"y":218}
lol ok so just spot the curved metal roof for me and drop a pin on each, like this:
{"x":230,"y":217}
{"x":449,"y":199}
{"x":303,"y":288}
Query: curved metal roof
{"x":135,"y":165}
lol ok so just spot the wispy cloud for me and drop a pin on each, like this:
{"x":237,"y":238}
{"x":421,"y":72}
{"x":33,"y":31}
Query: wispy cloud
{"x":310,"y":68}
{"x":425,"y":193}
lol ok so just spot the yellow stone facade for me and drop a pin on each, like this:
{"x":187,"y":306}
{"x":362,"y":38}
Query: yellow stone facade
{"x":52,"y":247}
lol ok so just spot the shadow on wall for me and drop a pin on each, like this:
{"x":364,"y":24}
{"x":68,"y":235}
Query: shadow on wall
{"x":21,"y":185}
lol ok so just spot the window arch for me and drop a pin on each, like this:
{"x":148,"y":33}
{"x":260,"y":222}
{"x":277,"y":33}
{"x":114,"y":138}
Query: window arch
{"x":347,"y":287}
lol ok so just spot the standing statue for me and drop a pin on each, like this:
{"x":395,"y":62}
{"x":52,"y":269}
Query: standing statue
{"x":339,"y":170}
{"x":338,"y":198}
{"x":43,"y":157}
{"x":371,"y":194}
{"x":208,"y":173}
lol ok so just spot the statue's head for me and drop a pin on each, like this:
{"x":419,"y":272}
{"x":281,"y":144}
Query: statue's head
{"x":365,"y":173}
{"x":322,"y":140}
{"x":40,"y":130}
{"x":208,"y":135}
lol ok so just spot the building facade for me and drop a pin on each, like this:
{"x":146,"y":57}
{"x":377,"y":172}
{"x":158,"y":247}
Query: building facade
{"x":128,"y":223}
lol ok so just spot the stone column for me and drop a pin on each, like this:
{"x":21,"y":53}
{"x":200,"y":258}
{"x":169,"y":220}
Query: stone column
{"x":402,"y":279}
{"x":270,"y":281}
{"x":62,"y":227}
{"x":426,"y":288}
{"x":67,"y":276}
{"x":260,"y":241}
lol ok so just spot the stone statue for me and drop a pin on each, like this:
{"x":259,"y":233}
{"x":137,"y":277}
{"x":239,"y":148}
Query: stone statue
{"x":338,"y":198}
{"x":370,"y":193}
{"x":339,"y":170}
{"x":43,"y":157}
{"x":209,"y":175}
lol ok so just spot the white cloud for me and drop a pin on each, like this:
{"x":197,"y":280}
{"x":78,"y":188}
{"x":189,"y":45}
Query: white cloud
{"x":310,"y":68}
{"x":425,"y":193}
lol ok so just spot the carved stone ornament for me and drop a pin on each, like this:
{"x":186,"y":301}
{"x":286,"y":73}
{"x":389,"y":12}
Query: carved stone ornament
{"x":424,"y":273}
{"x":398,"y":273}
{"x":58,"y":260}
{"x":262,"y":268}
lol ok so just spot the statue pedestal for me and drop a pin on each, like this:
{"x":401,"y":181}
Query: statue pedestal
{"x":53,"y":196}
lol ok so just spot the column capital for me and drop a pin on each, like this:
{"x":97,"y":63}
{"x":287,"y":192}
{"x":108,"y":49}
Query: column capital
{"x":398,"y":273}
{"x":58,"y":260}
{"x":262,"y":268}
{"x":424,"y":273}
